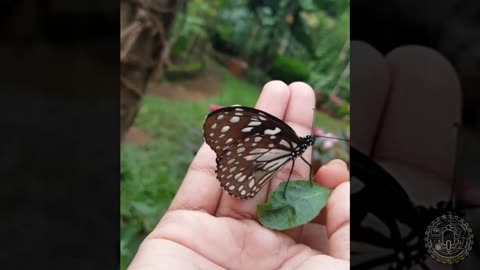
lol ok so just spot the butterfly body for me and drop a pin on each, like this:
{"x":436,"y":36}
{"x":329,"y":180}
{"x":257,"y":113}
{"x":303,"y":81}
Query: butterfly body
{"x":252,"y":146}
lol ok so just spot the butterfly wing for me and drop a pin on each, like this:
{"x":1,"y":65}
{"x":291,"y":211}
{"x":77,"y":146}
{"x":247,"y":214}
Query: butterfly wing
{"x":381,"y":205}
{"x":227,"y":125}
{"x":246,"y":166}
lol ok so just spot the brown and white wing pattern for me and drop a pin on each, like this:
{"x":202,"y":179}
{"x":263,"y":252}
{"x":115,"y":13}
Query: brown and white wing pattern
{"x":245,"y":167}
{"x":225,"y":126}
{"x":252,"y":146}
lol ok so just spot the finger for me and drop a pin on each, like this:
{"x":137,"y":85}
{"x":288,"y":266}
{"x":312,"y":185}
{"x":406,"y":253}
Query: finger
{"x":274,"y":100}
{"x":330,"y":175}
{"x":422,"y":156}
{"x":200,"y":190}
{"x":370,"y":81}
{"x":299,"y":116}
{"x":301,"y":108}
{"x":336,"y":214}
{"x":338,"y":221}
{"x":421,"y":74}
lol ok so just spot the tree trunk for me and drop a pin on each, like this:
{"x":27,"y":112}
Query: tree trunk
{"x":144,"y":26}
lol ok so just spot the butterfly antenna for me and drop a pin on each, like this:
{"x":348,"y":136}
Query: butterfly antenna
{"x":341,"y":139}
{"x":314,"y":138}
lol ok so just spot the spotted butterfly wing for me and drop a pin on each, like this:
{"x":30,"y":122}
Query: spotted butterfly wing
{"x":243,"y":174}
{"x":225,"y":126}
{"x":252,"y":146}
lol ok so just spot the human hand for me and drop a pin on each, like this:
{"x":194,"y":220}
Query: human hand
{"x":406,"y":105}
{"x":205,"y":228}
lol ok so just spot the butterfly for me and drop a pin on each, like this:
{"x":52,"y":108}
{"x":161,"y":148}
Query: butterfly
{"x":252,"y":146}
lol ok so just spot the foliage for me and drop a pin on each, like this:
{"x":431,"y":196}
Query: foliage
{"x":221,"y":41}
{"x":336,"y":107}
{"x":192,"y":29}
{"x":299,"y":204}
{"x":314,"y":32}
{"x":288,"y":69}
{"x":255,"y":75}
{"x":182,"y":71}
{"x":180,"y":46}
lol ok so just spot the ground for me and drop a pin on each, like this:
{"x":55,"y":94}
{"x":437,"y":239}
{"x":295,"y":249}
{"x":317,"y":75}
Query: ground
{"x":199,"y":88}
{"x":136,"y":136}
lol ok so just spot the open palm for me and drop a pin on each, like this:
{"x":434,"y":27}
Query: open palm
{"x":205,"y":228}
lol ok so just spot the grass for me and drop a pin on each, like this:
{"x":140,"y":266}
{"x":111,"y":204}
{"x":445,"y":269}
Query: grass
{"x":152,"y":173}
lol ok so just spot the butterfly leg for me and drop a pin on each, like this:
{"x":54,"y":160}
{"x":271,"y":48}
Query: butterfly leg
{"x":311,"y":169}
{"x":288,"y":179}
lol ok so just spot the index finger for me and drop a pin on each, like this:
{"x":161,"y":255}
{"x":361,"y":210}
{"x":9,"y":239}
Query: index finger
{"x":299,"y":116}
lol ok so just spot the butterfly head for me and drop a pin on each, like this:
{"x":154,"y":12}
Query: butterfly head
{"x":305,"y":142}
{"x":308,"y":140}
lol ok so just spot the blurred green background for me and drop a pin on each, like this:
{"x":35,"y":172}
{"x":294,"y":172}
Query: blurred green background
{"x":223,"y":53}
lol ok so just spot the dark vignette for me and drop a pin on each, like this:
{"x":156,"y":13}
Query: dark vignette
{"x":59,"y":142}
{"x":451,"y":28}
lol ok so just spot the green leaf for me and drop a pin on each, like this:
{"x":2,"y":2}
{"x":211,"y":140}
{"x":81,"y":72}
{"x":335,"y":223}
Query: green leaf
{"x":302,"y":203}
